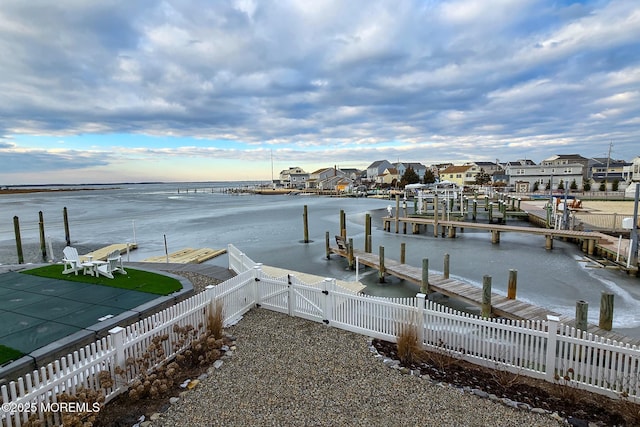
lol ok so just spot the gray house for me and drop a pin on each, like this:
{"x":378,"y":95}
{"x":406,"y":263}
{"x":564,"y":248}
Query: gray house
{"x":377,"y":168}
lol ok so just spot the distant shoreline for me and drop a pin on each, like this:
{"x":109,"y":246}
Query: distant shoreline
{"x":44,"y":190}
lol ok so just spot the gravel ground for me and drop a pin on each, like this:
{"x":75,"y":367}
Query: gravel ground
{"x":290,"y":371}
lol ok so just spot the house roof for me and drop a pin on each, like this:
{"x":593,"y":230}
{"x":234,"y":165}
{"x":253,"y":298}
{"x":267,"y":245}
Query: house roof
{"x":456,"y":169}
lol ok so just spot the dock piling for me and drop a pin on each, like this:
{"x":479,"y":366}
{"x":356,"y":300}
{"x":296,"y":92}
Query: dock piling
{"x":446,"y":266}
{"x":512,"y":285}
{"x":16,"y":229}
{"x":350,"y":252}
{"x":606,"y":311}
{"x":424,"y":283}
{"x":367,"y":233}
{"x":67,"y":235}
{"x":327,"y":245}
{"x":381,"y":271}
{"x":403,"y":248}
{"x":43,"y":242}
{"x":305,"y":220}
{"x":486,"y":296}
{"x":582,"y":309}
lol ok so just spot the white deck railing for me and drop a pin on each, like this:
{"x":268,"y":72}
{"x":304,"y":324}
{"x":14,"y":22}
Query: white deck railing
{"x":544,"y":350}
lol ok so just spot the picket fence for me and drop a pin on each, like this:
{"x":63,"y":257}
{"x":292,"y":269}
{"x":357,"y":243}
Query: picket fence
{"x":545,"y":350}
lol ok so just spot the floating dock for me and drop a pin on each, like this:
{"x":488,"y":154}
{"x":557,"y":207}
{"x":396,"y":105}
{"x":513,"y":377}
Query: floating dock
{"x":188,"y":256}
{"x":102,"y":253}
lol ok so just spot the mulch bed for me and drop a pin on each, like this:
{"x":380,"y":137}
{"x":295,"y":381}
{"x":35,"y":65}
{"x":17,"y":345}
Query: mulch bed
{"x":579,"y":407}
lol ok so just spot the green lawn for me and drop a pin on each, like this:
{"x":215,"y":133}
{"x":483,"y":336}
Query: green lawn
{"x":135,"y":280}
{"x":7,"y":354}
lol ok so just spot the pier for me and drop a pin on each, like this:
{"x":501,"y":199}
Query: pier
{"x":500,"y":306}
{"x":449,"y":228}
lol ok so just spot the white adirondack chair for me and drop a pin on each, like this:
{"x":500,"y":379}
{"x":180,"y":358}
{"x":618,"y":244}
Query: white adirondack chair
{"x":113,"y":265}
{"x":72,"y":263}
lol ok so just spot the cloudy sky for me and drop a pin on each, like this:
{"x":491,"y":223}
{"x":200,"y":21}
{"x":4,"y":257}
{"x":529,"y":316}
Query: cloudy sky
{"x":121,"y":90}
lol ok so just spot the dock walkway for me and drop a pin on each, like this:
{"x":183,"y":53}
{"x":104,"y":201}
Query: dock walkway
{"x":501,"y":306}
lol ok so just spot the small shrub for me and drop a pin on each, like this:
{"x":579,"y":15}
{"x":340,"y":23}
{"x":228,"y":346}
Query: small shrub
{"x":409,"y":349}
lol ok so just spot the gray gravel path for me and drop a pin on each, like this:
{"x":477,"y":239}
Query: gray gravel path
{"x":289,"y":371}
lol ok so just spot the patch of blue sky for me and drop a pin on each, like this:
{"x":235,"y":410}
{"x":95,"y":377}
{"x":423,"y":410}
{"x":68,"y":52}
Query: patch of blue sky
{"x":108,"y":141}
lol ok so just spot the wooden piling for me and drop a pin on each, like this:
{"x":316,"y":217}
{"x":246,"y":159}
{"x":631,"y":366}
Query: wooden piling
{"x":582,"y":309}
{"x":495,"y":236}
{"x":381,"y":271}
{"x":403,"y":248}
{"x":475,"y":209}
{"x":43,"y":242}
{"x":351,"y":257}
{"x":397,"y":213}
{"x":16,"y":229}
{"x":424,"y":282}
{"x":606,"y":311}
{"x":486,"y":296}
{"x":327,"y":245}
{"x":446,"y":266}
{"x":435,"y":216}
{"x":512,"y":285}
{"x":343,"y":226}
{"x":67,"y":235}
{"x":367,"y":233}
{"x":305,"y":220}
{"x":548,"y":242}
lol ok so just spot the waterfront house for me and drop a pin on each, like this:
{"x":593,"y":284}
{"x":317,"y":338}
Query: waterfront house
{"x":390,"y":176}
{"x":459,"y":175}
{"x":377,"y":168}
{"x":524,"y":177}
{"x":294,"y":177}
{"x":418,"y":168}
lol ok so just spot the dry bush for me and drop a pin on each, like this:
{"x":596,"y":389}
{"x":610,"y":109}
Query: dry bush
{"x":215,"y":319}
{"x":442,"y":357}
{"x":410,"y":349}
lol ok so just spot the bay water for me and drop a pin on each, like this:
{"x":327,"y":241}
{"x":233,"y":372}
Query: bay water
{"x":269,"y":229}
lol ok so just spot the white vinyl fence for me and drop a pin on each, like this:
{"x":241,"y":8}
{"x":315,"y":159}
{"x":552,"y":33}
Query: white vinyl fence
{"x":545,"y":350}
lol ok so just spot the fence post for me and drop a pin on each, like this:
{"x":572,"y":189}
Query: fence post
{"x":328,"y":286}
{"x":552,"y":343}
{"x":117,"y":340}
{"x":291,"y":297}
{"x":421,"y":301}
{"x":257,"y":274}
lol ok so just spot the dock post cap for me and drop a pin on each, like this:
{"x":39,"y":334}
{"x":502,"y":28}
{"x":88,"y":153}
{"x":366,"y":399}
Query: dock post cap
{"x":552,"y":318}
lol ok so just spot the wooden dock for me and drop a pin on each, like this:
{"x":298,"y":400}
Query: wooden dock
{"x":188,"y":256}
{"x":590,"y":238}
{"x":501,"y":306}
{"x":102,"y":253}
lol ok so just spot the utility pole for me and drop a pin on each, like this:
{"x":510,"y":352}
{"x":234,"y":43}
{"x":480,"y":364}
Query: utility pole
{"x":634,"y":231}
{"x":606,"y":172}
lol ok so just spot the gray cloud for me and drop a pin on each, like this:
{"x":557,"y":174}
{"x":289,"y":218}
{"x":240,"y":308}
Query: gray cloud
{"x":429,"y":80}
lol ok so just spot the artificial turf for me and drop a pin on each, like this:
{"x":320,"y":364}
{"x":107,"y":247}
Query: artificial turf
{"x":8,"y":354}
{"x":135,"y":280}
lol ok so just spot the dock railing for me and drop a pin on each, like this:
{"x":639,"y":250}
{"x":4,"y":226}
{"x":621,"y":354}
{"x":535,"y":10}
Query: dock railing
{"x":541,"y":349}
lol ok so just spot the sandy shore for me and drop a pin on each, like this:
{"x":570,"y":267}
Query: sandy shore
{"x":601,"y":206}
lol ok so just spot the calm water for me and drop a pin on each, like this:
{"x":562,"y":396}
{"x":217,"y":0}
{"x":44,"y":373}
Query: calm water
{"x":269,"y":229}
